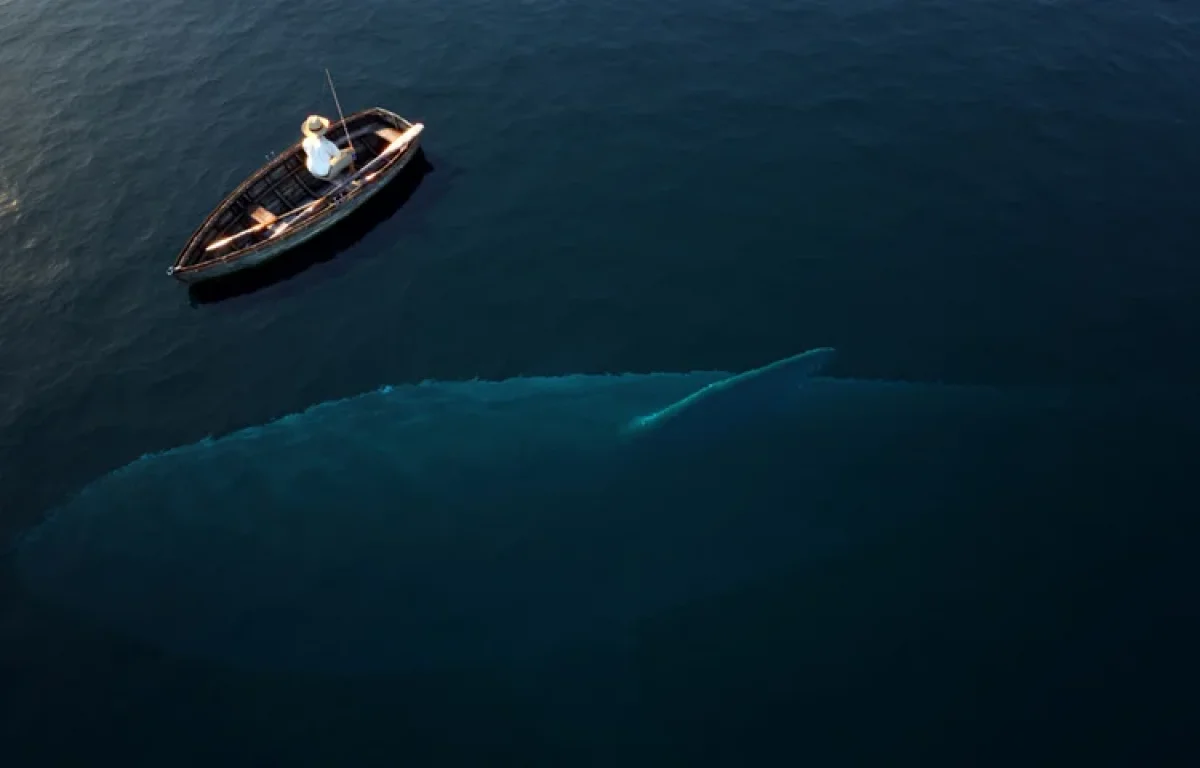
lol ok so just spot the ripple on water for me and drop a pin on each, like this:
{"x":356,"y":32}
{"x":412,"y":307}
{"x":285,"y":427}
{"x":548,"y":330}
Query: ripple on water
{"x":9,"y":202}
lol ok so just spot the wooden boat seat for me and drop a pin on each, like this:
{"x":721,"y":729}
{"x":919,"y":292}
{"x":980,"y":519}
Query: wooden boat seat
{"x":262,"y":216}
{"x":388,"y":134}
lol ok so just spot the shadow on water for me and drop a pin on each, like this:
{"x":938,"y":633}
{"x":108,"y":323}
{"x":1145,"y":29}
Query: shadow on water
{"x":322,"y":248}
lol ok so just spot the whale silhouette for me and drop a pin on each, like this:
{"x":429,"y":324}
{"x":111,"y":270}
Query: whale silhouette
{"x":454,"y":522}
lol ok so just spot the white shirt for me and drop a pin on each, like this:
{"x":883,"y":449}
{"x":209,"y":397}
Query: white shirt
{"x":321,"y":154}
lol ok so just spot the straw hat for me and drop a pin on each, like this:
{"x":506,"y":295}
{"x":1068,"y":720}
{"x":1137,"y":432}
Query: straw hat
{"x":315,"y":125}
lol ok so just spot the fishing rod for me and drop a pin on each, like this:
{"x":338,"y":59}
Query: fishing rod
{"x":338,"y":104}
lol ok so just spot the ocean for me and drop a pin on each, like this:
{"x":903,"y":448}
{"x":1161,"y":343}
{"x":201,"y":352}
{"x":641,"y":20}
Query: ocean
{"x":978,"y":193}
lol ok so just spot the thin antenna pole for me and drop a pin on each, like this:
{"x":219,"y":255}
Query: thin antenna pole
{"x":349,"y":144}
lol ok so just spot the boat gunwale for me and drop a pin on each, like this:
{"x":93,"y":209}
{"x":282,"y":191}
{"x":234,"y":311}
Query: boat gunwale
{"x":344,"y":204}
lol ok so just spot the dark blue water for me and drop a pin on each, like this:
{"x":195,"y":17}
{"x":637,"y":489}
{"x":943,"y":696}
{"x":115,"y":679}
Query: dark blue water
{"x":976,"y":192}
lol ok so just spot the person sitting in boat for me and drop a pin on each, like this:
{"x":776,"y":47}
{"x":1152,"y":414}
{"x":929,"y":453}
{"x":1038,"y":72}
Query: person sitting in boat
{"x":325,"y":160}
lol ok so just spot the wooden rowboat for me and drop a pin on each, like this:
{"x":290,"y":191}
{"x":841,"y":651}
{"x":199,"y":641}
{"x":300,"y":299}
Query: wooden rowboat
{"x":282,"y":205}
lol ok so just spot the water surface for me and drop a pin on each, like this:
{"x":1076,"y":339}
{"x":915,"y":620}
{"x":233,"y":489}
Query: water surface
{"x":979,"y":192}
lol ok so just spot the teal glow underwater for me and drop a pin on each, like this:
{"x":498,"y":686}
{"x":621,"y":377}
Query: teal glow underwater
{"x":446,"y":522}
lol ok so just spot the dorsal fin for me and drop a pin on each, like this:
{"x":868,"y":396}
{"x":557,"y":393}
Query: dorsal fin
{"x":733,"y":397}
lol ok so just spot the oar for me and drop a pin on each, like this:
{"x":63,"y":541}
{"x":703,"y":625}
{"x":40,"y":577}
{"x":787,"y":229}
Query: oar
{"x":292,"y":214}
{"x":391,"y":149}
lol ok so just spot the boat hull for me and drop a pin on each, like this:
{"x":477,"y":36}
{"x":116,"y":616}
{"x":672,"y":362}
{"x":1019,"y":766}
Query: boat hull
{"x":270,"y":251}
